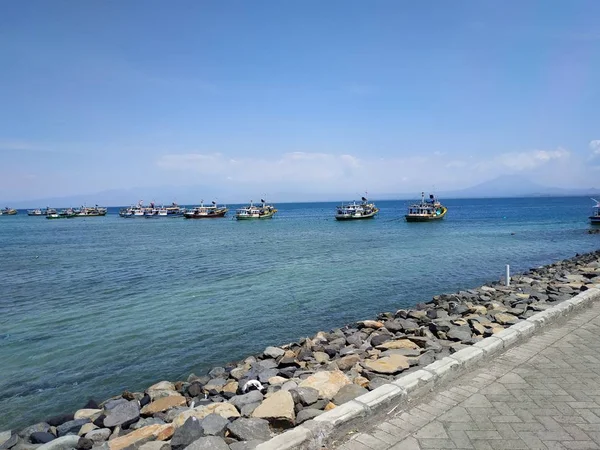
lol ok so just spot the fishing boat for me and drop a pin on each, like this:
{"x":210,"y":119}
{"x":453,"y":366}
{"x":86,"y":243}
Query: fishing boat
{"x":64,"y":214}
{"x":356,"y":211}
{"x":426,"y":210}
{"x":84,"y":211}
{"x":156,"y":213}
{"x":595,"y":217}
{"x":206,"y":212}
{"x":9,"y":211}
{"x":35,"y":212}
{"x":175,"y":210}
{"x":251,"y":211}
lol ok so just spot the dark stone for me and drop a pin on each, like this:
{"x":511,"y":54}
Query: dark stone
{"x":209,"y":443}
{"x":215,"y":386}
{"x":195,"y":389}
{"x":461,"y":333}
{"x":427,"y":358}
{"x":305,"y":395}
{"x":201,"y":401}
{"x":458,"y":309}
{"x":41,"y":437}
{"x":71,"y":427}
{"x":264,"y":376}
{"x":214,"y":425}
{"x":356,"y":339}
{"x":379,"y":339}
{"x":124,"y":414}
{"x":59,"y":420}
{"x":264,"y":365}
{"x":249,"y":429}
{"x":251,"y":397}
{"x":187,"y":433}
{"x":91,"y":404}
{"x":146,"y":399}
{"x":347,"y":393}
{"x":330,"y":350}
{"x":307,"y":414}
{"x":217,"y":372}
{"x":288,"y":361}
{"x":84,"y":444}
{"x":248,"y":409}
{"x":99,"y":421}
{"x":320,"y":404}
{"x":38,"y":427}
{"x":377,"y":381}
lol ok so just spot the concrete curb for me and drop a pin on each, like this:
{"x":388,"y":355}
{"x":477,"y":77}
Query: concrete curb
{"x":312,"y":435}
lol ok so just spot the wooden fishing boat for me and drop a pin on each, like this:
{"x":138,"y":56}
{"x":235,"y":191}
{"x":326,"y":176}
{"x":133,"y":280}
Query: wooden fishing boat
{"x":206,"y":212}
{"x":251,"y":211}
{"x":426,"y":210}
{"x":356,"y":211}
{"x":595,"y":217}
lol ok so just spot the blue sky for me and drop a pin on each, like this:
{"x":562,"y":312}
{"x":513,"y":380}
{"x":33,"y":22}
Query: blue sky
{"x":304,"y":97}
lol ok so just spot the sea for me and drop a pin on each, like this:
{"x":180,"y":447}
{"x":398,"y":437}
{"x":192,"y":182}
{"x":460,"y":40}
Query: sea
{"x":90,"y":307}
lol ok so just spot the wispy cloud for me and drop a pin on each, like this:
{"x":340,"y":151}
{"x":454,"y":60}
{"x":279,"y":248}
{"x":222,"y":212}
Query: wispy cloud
{"x":595,"y":147}
{"x":520,"y":161}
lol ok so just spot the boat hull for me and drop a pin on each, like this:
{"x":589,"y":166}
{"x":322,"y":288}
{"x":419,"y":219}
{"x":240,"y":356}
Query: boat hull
{"x":364,"y":216}
{"x":264,"y":216}
{"x":429,"y":218}
{"x":208,"y":216}
{"x":595,"y":220}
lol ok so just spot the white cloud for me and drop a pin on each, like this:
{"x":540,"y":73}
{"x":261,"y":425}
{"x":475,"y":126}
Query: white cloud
{"x":595,"y":146}
{"x":519,"y":161}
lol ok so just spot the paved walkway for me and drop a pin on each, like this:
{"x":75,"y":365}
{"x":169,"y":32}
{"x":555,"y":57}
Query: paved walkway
{"x":543,"y":394}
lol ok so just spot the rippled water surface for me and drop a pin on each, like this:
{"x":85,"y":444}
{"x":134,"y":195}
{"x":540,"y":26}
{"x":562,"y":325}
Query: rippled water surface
{"x":91,"y":307}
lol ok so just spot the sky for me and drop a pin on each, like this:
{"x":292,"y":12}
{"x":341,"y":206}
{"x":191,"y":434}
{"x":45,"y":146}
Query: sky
{"x":310,"y":97}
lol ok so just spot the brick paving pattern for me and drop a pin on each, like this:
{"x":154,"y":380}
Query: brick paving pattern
{"x":542,"y":394}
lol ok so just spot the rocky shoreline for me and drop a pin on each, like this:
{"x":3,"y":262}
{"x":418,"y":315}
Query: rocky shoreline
{"x":242,"y":404}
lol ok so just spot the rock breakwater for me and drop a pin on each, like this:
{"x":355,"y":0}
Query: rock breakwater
{"x":239,"y":405}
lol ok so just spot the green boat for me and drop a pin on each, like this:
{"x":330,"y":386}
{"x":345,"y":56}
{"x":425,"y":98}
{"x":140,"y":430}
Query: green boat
{"x":251,"y":212}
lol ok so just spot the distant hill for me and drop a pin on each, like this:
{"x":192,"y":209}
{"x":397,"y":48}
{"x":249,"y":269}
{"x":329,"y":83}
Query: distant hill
{"x":503,"y":186}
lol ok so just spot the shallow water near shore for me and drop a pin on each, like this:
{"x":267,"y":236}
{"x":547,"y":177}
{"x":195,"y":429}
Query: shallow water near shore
{"x":91,"y":307}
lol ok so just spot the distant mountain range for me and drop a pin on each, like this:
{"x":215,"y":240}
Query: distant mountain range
{"x":503,"y":186}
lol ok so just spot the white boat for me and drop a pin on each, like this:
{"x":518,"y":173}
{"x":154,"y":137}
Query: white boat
{"x":156,"y":213}
{"x":251,"y":211}
{"x":355,"y":211}
{"x":35,"y":212}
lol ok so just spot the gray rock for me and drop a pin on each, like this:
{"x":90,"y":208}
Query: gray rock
{"x":249,"y":429}
{"x":305,"y":395}
{"x":427,"y":358}
{"x":8,"y":439}
{"x":274,"y":352}
{"x":187,"y":433}
{"x":251,"y":397}
{"x":264,"y":364}
{"x":461,"y":333}
{"x":356,"y":339}
{"x":347,"y":393}
{"x":38,"y":427}
{"x":375,"y":382}
{"x":379,"y":339}
{"x":41,"y":437}
{"x":214,"y":425}
{"x":155,"y":445}
{"x":208,"y":443}
{"x":195,"y":389}
{"x":409,"y":325}
{"x":84,"y":444}
{"x":71,"y":427}
{"x":217,"y":372}
{"x":147,"y":421}
{"x":215,"y":386}
{"x":307,"y":414}
{"x":123,"y":414}
{"x":99,"y":435}
{"x":247,"y":410}
{"x":112,"y":404}
{"x":264,"y":376}
{"x":62,"y":443}
{"x":244,"y":445}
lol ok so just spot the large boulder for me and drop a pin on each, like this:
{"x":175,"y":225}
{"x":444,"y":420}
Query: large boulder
{"x":328,"y":383}
{"x":307,"y":414}
{"x":138,"y":437}
{"x":277,"y":409}
{"x":40,"y":437}
{"x":250,"y":429}
{"x":273,"y":352}
{"x":226,"y":410}
{"x":161,"y":389}
{"x":347,"y":362}
{"x":123,"y":415}
{"x":71,"y":427}
{"x":251,"y":397}
{"x":208,"y":443}
{"x":86,"y":413}
{"x":190,"y":431}
{"x":347,"y":393}
{"x":398,"y":344}
{"x":62,"y":443}
{"x":8,"y":439}
{"x":163,"y":404}
{"x":38,"y":427}
{"x":214,"y":425}
{"x":389,"y":365}
{"x":305,"y":395}
{"x":99,"y":435}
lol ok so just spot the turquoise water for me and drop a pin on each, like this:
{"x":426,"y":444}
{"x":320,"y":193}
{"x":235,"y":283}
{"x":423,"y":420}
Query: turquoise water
{"x":91,"y":307}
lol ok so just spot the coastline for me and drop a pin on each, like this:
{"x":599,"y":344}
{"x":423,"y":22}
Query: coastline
{"x":303,"y":379}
